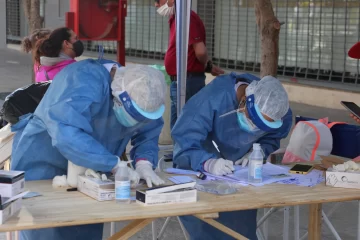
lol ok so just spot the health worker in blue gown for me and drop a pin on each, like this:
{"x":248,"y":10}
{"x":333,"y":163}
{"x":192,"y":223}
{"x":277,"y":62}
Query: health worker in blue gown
{"x":91,"y":111}
{"x":234,"y":111}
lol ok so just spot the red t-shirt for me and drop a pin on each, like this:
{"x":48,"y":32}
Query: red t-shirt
{"x":196,"y":34}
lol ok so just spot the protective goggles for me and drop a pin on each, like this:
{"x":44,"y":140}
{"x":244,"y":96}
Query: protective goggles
{"x":255,"y":116}
{"x":135,"y":111}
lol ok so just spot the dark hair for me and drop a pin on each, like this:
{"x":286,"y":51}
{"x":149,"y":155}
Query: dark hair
{"x":51,"y":46}
{"x":29,"y":42}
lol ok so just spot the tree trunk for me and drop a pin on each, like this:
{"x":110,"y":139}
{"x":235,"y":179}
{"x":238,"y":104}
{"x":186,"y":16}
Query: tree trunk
{"x":269,"y":27}
{"x":35,"y":21}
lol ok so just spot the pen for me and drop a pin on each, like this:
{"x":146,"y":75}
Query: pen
{"x":217,"y":148}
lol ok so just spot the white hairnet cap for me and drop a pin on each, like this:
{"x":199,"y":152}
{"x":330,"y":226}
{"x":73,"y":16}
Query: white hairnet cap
{"x":145,"y":85}
{"x":270,"y":96}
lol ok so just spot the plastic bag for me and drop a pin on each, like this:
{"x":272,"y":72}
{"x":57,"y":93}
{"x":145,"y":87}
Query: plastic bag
{"x":218,"y":187}
{"x":309,"y":140}
{"x":23,"y":101}
{"x":162,"y":69}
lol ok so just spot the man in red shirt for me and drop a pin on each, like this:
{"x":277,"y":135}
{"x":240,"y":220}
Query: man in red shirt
{"x":198,"y":59}
{"x":354,"y":52}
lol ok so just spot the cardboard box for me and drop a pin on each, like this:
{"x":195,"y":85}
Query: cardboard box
{"x":343,"y":179}
{"x":10,"y":206}
{"x":11,"y":183}
{"x":180,"y":193}
{"x":97,"y":189}
{"x":8,"y":210}
{"x":339,"y":179}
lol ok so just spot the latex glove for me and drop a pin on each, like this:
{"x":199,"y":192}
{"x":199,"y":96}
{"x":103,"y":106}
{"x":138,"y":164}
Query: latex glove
{"x":243,"y":161}
{"x":134,"y":177}
{"x":146,"y":172}
{"x":219,"y":166}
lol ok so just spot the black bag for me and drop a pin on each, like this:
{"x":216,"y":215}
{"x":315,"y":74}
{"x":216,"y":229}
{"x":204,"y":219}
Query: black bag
{"x":23,"y":101}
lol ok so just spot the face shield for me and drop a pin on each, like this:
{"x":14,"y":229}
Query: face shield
{"x":130,"y":115}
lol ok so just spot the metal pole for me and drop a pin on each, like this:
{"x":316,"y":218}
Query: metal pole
{"x":121,"y":43}
{"x":286,"y":223}
{"x":182,"y":39}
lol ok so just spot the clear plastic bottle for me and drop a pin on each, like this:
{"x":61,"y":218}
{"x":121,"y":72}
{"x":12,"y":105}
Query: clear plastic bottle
{"x":122,"y":184}
{"x":256,"y":159}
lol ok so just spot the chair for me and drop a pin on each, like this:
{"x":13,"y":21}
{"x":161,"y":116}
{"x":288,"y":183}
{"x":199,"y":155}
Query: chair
{"x":346,"y":144}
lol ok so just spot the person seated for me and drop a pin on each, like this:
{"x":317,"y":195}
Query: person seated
{"x":89,"y":114}
{"x":234,"y":111}
{"x":29,"y":42}
{"x":55,"y":52}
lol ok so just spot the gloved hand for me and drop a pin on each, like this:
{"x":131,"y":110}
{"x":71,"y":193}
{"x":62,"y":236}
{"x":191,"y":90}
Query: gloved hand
{"x":146,"y":172}
{"x":243,"y":161}
{"x":133,"y":175}
{"x":219,"y":166}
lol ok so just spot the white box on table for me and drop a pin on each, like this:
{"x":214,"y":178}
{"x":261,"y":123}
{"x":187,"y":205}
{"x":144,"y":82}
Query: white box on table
{"x":178,"y":193}
{"x":11,"y":183}
{"x":8,"y":210}
{"x":343,"y":179}
{"x":96,"y":188}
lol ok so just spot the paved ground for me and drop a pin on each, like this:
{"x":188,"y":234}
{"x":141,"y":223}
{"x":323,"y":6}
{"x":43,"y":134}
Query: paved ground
{"x":15,"y":72}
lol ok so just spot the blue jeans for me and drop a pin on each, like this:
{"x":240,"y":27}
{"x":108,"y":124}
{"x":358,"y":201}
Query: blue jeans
{"x":194,"y":83}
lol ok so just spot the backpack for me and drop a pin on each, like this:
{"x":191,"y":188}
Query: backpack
{"x":23,"y":101}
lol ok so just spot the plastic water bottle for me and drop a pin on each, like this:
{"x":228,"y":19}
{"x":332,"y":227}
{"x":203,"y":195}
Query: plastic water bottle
{"x":122,"y":184}
{"x":255,"y":164}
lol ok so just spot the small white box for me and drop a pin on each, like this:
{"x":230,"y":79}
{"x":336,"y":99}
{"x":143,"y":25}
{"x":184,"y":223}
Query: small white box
{"x":97,"y":189}
{"x":343,"y":179}
{"x":161,"y":195}
{"x":8,"y":210}
{"x":11,"y":183}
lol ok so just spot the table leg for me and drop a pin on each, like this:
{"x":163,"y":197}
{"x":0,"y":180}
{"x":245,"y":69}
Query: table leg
{"x":286,"y":228}
{"x":314,"y":227}
{"x":222,"y":228}
{"x":131,"y":229}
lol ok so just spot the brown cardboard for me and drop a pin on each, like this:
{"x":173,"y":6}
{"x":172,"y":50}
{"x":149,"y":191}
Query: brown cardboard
{"x":329,"y":161}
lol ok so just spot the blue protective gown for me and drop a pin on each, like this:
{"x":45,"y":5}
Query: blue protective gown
{"x":200,"y":124}
{"x":75,"y":121}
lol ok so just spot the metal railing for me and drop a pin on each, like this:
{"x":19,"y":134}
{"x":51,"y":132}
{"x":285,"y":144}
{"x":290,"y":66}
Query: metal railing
{"x":313,"y":42}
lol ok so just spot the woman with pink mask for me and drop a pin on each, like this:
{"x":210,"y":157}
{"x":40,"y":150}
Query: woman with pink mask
{"x":56,"y":52}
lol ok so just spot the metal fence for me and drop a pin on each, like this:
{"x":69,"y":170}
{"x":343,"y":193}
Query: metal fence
{"x":313,"y":42}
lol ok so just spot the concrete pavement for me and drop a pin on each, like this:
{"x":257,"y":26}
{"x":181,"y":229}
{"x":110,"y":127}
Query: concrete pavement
{"x":15,"y":72}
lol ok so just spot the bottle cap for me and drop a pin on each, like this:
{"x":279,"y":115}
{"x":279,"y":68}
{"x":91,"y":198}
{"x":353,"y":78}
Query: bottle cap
{"x":256,"y":146}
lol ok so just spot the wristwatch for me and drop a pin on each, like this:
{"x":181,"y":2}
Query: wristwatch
{"x":209,"y":66}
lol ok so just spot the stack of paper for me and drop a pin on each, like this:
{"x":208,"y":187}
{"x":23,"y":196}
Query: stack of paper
{"x":311,"y":179}
{"x":271,"y":174}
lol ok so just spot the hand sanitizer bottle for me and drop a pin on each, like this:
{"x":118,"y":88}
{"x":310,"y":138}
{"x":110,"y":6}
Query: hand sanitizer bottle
{"x":256,"y":159}
{"x":122,"y":183}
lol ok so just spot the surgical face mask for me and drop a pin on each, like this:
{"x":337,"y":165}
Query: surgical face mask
{"x":123,"y":117}
{"x":246,"y":124}
{"x":165,"y":10}
{"x":78,"y":48}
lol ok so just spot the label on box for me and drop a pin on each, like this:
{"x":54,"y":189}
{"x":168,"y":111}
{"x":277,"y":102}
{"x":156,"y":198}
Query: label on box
{"x":343,"y":179}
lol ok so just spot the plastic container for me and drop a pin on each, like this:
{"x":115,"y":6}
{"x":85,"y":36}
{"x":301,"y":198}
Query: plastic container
{"x":73,"y":172}
{"x":122,"y":184}
{"x":256,"y":161}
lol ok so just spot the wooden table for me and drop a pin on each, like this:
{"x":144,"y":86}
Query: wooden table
{"x":57,"y":207}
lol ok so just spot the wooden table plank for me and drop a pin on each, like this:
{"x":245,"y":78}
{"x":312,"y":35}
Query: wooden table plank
{"x":57,"y":207}
{"x":315,"y":220}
